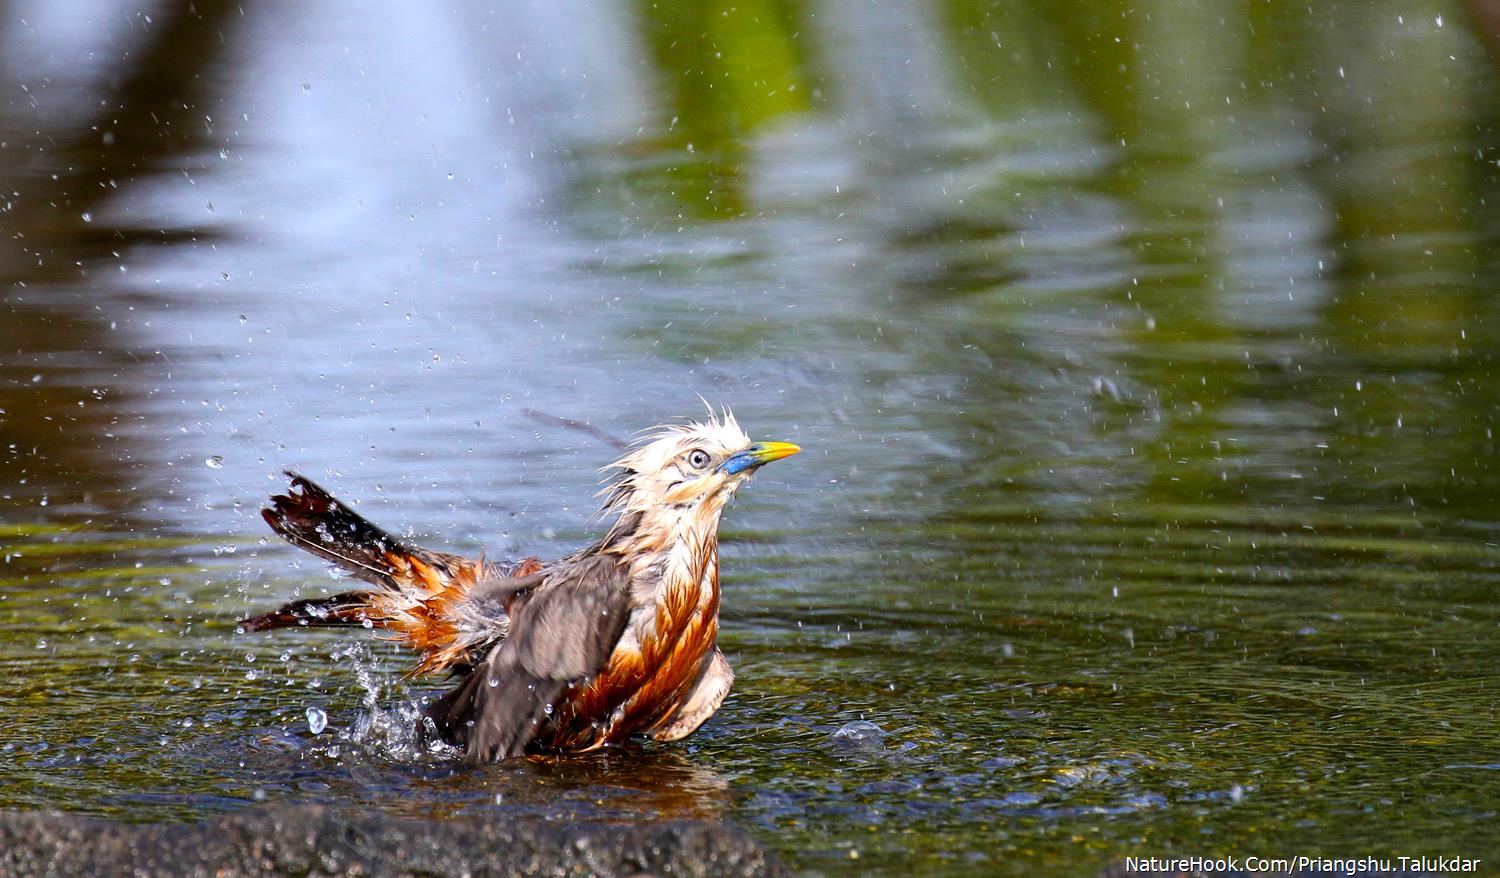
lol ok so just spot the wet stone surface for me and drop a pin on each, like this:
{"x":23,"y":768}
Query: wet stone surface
{"x":315,"y":842}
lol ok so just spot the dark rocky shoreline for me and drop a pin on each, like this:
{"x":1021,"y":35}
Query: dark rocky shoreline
{"x":314,"y":841}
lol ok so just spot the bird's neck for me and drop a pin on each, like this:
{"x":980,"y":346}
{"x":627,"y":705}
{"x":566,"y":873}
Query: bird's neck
{"x":674,"y":545}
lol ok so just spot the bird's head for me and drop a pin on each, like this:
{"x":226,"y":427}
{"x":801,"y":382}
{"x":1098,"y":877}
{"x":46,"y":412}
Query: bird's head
{"x":678,"y":477}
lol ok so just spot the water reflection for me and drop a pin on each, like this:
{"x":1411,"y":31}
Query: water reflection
{"x":1143,"y":355}
{"x":81,"y":140}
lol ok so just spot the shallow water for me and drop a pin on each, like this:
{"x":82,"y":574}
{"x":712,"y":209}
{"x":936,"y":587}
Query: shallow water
{"x":1143,"y":358}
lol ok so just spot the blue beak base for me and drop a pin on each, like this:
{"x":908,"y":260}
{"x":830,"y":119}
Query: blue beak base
{"x":759,"y":454}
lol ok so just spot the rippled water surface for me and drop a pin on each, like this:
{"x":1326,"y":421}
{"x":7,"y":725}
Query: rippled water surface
{"x":1144,"y":356}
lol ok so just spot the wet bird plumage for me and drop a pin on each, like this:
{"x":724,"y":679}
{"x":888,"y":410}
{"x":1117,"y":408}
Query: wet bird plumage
{"x":617,"y":639}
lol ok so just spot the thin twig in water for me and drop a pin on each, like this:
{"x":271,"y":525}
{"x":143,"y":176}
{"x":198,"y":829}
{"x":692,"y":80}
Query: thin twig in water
{"x":568,"y":423}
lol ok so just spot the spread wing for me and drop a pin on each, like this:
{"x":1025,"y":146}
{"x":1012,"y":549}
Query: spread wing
{"x":560,"y":633}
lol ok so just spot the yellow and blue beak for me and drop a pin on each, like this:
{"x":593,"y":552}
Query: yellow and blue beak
{"x":759,"y":454}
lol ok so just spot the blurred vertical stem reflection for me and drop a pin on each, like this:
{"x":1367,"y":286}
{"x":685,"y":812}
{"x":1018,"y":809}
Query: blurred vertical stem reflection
{"x":725,"y":69}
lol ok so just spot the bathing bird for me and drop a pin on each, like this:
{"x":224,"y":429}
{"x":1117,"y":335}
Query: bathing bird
{"x":615,"y":640}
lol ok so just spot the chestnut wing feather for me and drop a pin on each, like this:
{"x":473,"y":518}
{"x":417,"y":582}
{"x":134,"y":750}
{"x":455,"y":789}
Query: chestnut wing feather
{"x":562,"y":632}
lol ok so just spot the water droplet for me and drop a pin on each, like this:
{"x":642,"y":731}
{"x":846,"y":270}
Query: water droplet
{"x":215,"y":462}
{"x":317,"y":720}
{"x":860,"y":735}
{"x":87,"y":217}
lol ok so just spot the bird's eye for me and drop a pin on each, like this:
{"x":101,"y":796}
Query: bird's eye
{"x":698,"y":459}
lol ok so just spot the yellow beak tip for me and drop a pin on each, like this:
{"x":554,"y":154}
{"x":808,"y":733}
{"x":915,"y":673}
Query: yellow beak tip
{"x":770,"y":451}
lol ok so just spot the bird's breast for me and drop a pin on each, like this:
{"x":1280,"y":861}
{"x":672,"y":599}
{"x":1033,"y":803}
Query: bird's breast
{"x":653,"y":668}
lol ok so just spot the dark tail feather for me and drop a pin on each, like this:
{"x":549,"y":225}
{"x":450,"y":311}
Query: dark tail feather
{"x":451,"y":714}
{"x":349,"y":608}
{"x":414,"y":589}
{"x":315,"y":521}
